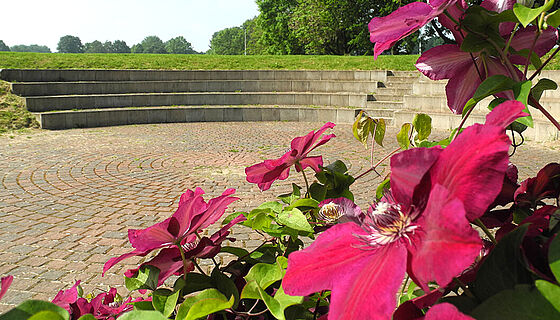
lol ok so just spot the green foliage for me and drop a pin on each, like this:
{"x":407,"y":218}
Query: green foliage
{"x":30,"y":48}
{"x":70,"y":44}
{"x":229,"y":41}
{"x":119,"y":46}
{"x":13,"y":114}
{"x":3,"y":46}
{"x":202,"y":304}
{"x":364,"y":126}
{"x":95,"y":47}
{"x":40,"y":309}
{"x":146,"y":278}
{"x":143,"y":315}
{"x":403,"y":137}
{"x":165,"y":300}
{"x":152,"y":44}
{"x":334,"y":182}
{"x":179,"y":45}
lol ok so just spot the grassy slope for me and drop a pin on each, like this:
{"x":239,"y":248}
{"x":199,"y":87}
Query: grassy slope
{"x":200,"y":62}
{"x":13,"y":115}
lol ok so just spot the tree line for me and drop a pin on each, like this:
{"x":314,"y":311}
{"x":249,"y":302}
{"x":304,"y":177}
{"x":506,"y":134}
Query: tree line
{"x":326,"y":27}
{"x":24,"y":48}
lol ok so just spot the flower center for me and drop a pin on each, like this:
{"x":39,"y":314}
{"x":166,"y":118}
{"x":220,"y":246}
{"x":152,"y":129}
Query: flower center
{"x":385,"y":224}
{"x":330,"y":212}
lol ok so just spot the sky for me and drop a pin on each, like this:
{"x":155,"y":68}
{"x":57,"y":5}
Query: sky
{"x":44,"y":22}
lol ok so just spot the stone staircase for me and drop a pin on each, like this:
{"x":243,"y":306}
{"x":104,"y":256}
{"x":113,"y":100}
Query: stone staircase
{"x":88,"y":98}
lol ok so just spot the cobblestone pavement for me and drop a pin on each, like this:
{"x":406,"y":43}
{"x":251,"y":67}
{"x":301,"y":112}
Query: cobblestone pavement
{"x":68,"y":197}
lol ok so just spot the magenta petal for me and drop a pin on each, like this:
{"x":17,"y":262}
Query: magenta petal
{"x":363,"y":281}
{"x":407,"y":169}
{"x":524,"y":39}
{"x":456,"y":11}
{"x":446,"y":311}
{"x":113,"y":261}
{"x":219,"y":236}
{"x":313,"y":162}
{"x":305,"y":144}
{"x":443,"y":62}
{"x":264,"y":177}
{"x":498,"y":5}
{"x":64,"y":298}
{"x":169,"y":262}
{"x":447,"y":244}
{"x":399,"y":24}
{"x":214,"y":211}
{"x":508,"y":112}
{"x":461,"y":87}
{"x":476,"y":177}
{"x":6,"y":282}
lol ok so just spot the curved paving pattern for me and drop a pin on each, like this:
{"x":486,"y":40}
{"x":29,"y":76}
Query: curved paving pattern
{"x":67,"y":198}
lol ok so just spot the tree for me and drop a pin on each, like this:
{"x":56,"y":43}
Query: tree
{"x":95,"y":47}
{"x":153,"y":44}
{"x":179,"y":45}
{"x":228,"y":41}
{"x":274,"y":21}
{"x":137,"y":48}
{"x":30,"y":48}
{"x":70,"y":44}
{"x":120,"y":46}
{"x":3,"y":46}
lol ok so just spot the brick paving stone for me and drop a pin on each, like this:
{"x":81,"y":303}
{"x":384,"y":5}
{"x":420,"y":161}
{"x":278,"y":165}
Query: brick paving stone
{"x":68,"y":197}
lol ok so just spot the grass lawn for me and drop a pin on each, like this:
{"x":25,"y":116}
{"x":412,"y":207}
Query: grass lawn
{"x":21,"y":60}
{"x":13,"y":114}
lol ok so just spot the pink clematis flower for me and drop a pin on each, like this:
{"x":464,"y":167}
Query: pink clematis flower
{"x":169,"y":260}
{"x":386,"y":31}
{"x":465,"y":75}
{"x":422,"y":229}
{"x":446,"y":311}
{"x":6,"y":282}
{"x":193,"y":215}
{"x":265,"y":173}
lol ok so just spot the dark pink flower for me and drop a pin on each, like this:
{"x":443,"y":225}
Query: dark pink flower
{"x":445,"y":311}
{"x":6,"y":282}
{"x":386,"y":31}
{"x":193,"y":215}
{"x":465,"y":75}
{"x":265,"y":173}
{"x":169,"y":260}
{"x":64,"y":298}
{"x":339,"y":209}
{"x":423,"y":229}
{"x":545,"y":185}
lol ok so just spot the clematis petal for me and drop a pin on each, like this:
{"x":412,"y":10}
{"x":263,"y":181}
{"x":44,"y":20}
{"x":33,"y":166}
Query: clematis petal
{"x":399,"y":24}
{"x":443,"y":62}
{"x":190,"y":204}
{"x":113,"y":261}
{"x":545,"y":185}
{"x":219,"y":236}
{"x":305,"y":144}
{"x":214,"y":211}
{"x":407,"y":169}
{"x":313,"y":162}
{"x":473,"y":166}
{"x":363,"y":281}
{"x":412,"y":309}
{"x":264,"y":177}
{"x":456,"y":11}
{"x":503,"y":117}
{"x":64,"y":298}
{"x":168,"y":261}
{"x":462,"y":86}
{"x":6,"y":282}
{"x":446,"y":311}
{"x":447,"y":244}
{"x":523,"y":39}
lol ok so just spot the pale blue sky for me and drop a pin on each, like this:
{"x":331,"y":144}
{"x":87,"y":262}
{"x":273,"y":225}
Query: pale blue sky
{"x":44,"y":22}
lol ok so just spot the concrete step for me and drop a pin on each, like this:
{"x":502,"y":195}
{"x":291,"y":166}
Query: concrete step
{"x":405,"y":73}
{"x":403,"y":79}
{"x":392,"y":91}
{"x":380,"y":113}
{"x":28,"y":89}
{"x":384,"y":97}
{"x":28,"y":75}
{"x":52,"y":103}
{"x":398,"y":85}
{"x":126,"y":116}
{"x":384,"y":105}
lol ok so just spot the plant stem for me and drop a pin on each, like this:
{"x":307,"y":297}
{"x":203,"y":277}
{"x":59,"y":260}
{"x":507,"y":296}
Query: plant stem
{"x":405,"y":284}
{"x":537,"y":35}
{"x":317,"y":305}
{"x":304,"y":178}
{"x":479,"y":223}
{"x":377,"y":164}
{"x":462,"y":123}
{"x":198,"y":267}
{"x":537,"y":105}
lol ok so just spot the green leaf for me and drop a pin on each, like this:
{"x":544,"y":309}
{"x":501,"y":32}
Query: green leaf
{"x":89,"y":316}
{"x":423,"y":125}
{"x":147,"y":278}
{"x":543,"y":84}
{"x":291,"y":197}
{"x":304,"y":203}
{"x":519,"y":303}
{"x":226,"y":285}
{"x":362,"y":128}
{"x":205,"y":303}
{"x":164,"y":301}
{"x":553,"y":19}
{"x":294,"y":219}
{"x":380,"y":130}
{"x":142,"y":315}
{"x":239,"y":252}
{"x":31,"y":307}
{"x":196,"y":282}
{"x":48,"y":315}
{"x":272,"y":205}
{"x":527,"y":15}
{"x":554,"y":257}
{"x":263,"y":275}
{"x":403,"y":136}
{"x":337,"y":166}
{"x":492,"y":85}
{"x":503,"y":268}
{"x":474,"y":43}
{"x":521,"y":91}
{"x":384,"y":186}
{"x":277,"y":304}
{"x":318,"y":191}
{"x":550,"y":292}
{"x":143,"y":305}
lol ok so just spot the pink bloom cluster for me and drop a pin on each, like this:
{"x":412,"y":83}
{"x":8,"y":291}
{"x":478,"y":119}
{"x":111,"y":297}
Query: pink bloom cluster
{"x":422,"y":228}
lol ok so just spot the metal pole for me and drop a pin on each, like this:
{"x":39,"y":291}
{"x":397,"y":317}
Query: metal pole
{"x":244,"y":29}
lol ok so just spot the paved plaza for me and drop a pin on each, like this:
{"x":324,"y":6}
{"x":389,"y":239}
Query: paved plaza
{"x":68,"y":197}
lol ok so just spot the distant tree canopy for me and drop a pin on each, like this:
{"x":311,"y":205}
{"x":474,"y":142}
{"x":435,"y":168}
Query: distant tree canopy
{"x":30,"y":48}
{"x":153,"y":44}
{"x":70,"y":44}
{"x":96,"y":46}
{"x":179,"y":45}
{"x":336,"y":27}
{"x":3,"y":46}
